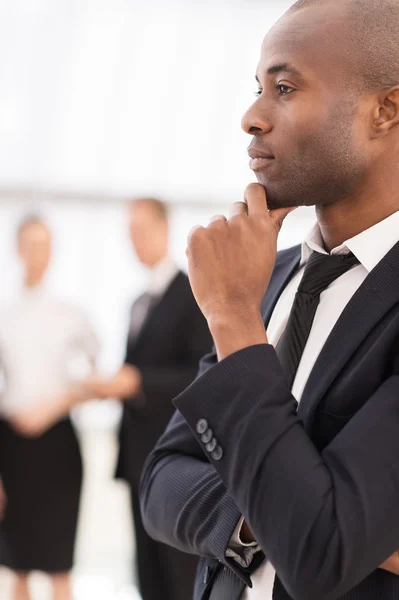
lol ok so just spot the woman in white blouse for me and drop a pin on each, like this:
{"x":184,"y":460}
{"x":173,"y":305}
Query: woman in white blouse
{"x":40,"y":461}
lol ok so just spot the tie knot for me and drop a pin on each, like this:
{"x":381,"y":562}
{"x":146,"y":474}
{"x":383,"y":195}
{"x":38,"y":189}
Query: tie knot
{"x":322,"y":269}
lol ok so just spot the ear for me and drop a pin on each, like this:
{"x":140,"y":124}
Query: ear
{"x":386,"y":115}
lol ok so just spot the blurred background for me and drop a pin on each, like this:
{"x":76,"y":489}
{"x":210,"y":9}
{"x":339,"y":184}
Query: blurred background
{"x":102,"y":101}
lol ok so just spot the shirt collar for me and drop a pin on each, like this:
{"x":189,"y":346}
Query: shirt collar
{"x":34,"y":293}
{"x":369,"y":246}
{"x":161,"y":275}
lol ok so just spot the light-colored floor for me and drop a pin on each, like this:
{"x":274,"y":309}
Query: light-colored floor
{"x":105,"y":546}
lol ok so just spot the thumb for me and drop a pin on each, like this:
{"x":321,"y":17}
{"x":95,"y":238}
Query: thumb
{"x":279,"y":215}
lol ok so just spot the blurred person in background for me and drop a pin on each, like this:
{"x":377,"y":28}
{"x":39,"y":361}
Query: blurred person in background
{"x":41,"y":467}
{"x":167,"y":337}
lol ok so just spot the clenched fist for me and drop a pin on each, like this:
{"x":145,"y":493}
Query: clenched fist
{"x":230,"y":263}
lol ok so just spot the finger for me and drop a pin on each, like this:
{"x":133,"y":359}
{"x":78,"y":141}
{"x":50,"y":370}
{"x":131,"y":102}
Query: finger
{"x":193,"y":231}
{"x":192,"y":238}
{"x":218,"y":220}
{"x":392,"y":564}
{"x":238,"y":208}
{"x":279,"y":215}
{"x":255,"y":197}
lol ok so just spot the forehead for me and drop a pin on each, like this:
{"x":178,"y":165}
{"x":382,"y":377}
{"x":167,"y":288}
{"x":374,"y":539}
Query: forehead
{"x":312,"y":40}
{"x":36,"y":232}
{"x":142,"y":213}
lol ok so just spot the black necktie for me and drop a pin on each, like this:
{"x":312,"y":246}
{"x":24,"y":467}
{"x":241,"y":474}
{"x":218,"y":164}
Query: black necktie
{"x":228,"y":586}
{"x":140,"y":311}
{"x":320,"y":271}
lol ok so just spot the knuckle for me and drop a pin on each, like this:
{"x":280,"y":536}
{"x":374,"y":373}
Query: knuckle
{"x":263,"y":222}
{"x":194,"y":234}
{"x":237,"y":219}
{"x":217,"y":221}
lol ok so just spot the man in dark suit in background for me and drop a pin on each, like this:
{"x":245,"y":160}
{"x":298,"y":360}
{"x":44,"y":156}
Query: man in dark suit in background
{"x":168,"y":335}
{"x":282,"y":460}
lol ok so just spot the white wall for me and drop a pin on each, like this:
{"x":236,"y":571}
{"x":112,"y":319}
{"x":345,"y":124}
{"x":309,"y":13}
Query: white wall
{"x":120,"y":96}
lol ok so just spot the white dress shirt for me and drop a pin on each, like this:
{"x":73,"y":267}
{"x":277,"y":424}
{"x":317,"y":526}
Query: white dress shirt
{"x":45,"y":344}
{"x":369,"y":247}
{"x":161,"y":276}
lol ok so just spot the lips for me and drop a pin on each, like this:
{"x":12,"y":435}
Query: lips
{"x":259,"y":159}
{"x":260,"y":163}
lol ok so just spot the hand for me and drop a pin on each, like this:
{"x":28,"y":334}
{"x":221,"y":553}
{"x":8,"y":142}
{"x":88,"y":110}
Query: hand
{"x":230,"y":263}
{"x":33,"y":421}
{"x":392,"y":564}
{"x":129,"y":382}
{"x":29,"y":421}
{"x":98,"y":387}
{"x":3,"y":501}
{"x":125,"y":384}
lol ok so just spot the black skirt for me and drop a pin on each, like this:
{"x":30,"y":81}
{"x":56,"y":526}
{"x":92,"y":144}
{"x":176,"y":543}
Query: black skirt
{"x":42,"y":478}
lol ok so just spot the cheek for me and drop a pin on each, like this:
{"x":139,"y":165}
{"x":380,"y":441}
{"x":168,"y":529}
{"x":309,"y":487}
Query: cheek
{"x":296,"y":132}
{"x":321,"y":141}
{"x":310,"y":120}
{"x":300,"y":146}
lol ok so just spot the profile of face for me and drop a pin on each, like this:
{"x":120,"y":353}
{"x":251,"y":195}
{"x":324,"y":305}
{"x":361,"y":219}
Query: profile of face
{"x":34,"y":250}
{"x":309,"y":145}
{"x":148,"y":233}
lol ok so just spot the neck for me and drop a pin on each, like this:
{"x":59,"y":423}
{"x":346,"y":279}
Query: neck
{"x":158,"y":260}
{"x":374,"y":201}
{"x":32,"y":281}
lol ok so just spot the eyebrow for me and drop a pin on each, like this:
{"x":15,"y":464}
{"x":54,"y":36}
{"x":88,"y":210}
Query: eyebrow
{"x":282,"y":68}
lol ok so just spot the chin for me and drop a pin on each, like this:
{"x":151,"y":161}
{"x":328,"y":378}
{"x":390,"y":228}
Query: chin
{"x":280,"y":198}
{"x":276,"y":200}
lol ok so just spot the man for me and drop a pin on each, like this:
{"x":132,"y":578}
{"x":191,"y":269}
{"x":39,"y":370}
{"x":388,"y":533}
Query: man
{"x":168,"y":335}
{"x":249,"y":477}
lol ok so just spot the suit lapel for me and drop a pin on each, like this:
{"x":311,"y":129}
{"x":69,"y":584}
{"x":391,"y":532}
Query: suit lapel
{"x":372,"y":301}
{"x":287,"y":263}
{"x":158,"y":307}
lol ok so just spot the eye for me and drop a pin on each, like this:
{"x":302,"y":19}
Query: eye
{"x":258,"y":93}
{"x":284,"y":89}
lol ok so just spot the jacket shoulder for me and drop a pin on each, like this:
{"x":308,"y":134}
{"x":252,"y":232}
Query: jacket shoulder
{"x":287,"y":255}
{"x":181,"y":284}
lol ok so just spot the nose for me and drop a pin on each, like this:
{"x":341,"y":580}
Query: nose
{"x":255,"y":122}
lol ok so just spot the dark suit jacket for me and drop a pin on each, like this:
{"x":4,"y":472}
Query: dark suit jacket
{"x":319,"y":488}
{"x":167,"y":351}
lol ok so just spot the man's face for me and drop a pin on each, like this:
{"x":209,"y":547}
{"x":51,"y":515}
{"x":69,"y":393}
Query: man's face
{"x":148,"y":233}
{"x":309,"y":145}
{"x":34,"y":249}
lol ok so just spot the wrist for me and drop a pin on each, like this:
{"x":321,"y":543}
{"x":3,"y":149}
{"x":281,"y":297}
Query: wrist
{"x":130,"y":382}
{"x":75,"y":395}
{"x":233,"y":330}
{"x":246,"y":535}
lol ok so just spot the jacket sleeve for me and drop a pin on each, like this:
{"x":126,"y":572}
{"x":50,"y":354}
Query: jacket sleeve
{"x":160,"y":384}
{"x":324,"y":520}
{"x":198,"y":515}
